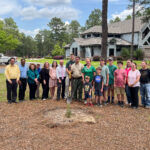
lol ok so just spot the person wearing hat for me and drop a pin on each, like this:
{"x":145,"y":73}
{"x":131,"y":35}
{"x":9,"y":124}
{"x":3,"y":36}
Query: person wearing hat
{"x":105,"y":74}
{"x":98,"y":86}
{"x":88,"y":91}
{"x":112,"y":69}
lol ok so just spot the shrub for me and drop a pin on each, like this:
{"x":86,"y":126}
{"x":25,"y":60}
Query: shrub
{"x":96,"y":58}
{"x":138,"y":54}
{"x":58,"y":50}
{"x":125,"y":53}
{"x":58,"y":57}
{"x":68,"y":111}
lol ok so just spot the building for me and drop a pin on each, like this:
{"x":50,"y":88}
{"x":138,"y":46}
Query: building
{"x":119,"y":36}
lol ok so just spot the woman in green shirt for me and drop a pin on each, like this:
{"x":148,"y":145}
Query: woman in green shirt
{"x":88,"y":70}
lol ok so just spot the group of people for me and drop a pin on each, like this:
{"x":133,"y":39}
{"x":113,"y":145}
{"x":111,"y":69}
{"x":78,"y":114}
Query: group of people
{"x":99,"y":85}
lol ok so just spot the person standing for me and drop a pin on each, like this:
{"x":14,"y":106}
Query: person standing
{"x":98,"y":86}
{"x":68,"y":77}
{"x":119,"y":83}
{"x":32,"y":80}
{"x":38,"y":84}
{"x":23,"y":79}
{"x":53,"y":79}
{"x":76,"y":70}
{"x":12,"y":74}
{"x":134,"y":84}
{"x":127,"y":69}
{"x":105,"y":74}
{"x":88,"y":70}
{"x":112,"y":69}
{"x":44,"y":74}
{"x":145,"y":85}
{"x":61,"y":76}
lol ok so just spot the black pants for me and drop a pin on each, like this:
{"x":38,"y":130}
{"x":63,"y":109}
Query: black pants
{"x":11,"y":90}
{"x":134,"y":96}
{"x":61,"y":88}
{"x":22,"y":88}
{"x":77,"y":85}
{"x":32,"y":90}
{"x":45,"y":90}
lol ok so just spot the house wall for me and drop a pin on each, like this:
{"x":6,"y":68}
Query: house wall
{"x":68,"y":52}
{"x":97,"y":51}
{"x":128,"y":37}
{"x":75,"y":45}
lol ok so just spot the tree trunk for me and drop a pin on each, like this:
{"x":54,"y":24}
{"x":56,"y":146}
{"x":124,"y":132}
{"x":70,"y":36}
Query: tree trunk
{"x":133,"y":22}
{"x":104,"y":28}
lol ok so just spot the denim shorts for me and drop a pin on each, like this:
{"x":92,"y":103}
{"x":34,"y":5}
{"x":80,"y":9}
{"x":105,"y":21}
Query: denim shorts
{"x":98,"y":93}
{"x":87,"y":96}
{"x":105,"y":88}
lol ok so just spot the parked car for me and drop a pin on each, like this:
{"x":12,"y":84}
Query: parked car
{"x":5,"y":59}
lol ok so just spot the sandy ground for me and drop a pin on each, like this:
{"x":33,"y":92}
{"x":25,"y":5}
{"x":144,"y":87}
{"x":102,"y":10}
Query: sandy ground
{"x":24,"y":126}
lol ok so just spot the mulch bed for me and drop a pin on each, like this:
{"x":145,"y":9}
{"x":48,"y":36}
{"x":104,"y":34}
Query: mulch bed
{"x":23,"y":126}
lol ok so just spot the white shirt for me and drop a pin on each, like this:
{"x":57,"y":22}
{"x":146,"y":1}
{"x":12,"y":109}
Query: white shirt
{"x":61,"y":72}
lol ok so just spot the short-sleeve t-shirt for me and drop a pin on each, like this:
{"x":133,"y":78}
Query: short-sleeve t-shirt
{"x":111,"y":73}
{"x":87,"y":87}
{"x":132,"y":76}
{"x":104,"y":73}
{"x":98,"y":80}
{"x":89,"y":72}
{"x":120,"y":77}
{"x":69,"y":63}
{"x":145,"y":76}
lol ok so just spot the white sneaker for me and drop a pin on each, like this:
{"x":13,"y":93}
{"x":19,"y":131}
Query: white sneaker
{"x":44,"y":99}
{"x":85,"y":102}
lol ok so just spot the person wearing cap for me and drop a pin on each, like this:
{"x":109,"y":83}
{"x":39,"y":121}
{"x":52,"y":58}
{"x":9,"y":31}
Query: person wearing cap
{"x":119,"y":83}
{"x":98,"y":86}
{"x":105,"y":74}
{"x":88,"y":91}
{"x":112,"y":69}
{"x":77,"y":81}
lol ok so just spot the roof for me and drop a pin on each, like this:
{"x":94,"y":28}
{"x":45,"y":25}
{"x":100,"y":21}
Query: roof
{"x":98,"y":41}
{"x":67,"y":46}
{"x":118,"y":27}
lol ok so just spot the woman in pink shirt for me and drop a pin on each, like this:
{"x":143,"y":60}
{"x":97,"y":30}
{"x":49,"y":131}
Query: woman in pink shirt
{"x":127,"y":69}
{"x":134,"y":84}
{"x":53,"y":79}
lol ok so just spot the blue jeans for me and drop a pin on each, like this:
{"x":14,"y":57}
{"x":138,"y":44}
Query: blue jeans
{"x":145,"y":94}
{"x":128,"y":94}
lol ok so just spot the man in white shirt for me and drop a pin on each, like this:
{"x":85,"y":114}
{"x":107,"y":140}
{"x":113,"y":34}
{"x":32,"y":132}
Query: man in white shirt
{"x":61,"y":76}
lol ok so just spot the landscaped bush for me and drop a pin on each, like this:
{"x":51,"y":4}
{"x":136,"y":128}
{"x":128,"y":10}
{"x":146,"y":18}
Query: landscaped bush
{"x":117,"y":58}
{"x":58,"y":57}
{"x":96,"y":58}
{"x":138,"y":54}
{"x":125,"y":53}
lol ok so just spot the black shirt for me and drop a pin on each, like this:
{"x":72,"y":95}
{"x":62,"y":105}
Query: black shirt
{"x":44,"y":73}
{"x":98,"y":79}
{"x":87,"y":87}
{"x":145,"y":76}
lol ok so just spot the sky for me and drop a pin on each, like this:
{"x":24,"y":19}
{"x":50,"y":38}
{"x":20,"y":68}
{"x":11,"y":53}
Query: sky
{"x":34,"y":15}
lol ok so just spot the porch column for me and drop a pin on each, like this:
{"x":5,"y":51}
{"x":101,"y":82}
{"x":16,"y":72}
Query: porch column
{"x":87,"y":52}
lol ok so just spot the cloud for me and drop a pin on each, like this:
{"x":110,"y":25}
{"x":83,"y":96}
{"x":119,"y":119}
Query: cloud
{"x":49,"y":2}
{"x":62,"y":12}
{"x":30,"y":32}
{"x":122,"y":15}
{"x":30,"y":11}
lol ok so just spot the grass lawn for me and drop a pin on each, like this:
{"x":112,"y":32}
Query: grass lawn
{"x":94,"y":63}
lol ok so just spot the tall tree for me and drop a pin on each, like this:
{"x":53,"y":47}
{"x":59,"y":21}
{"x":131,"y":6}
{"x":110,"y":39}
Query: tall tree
{"x":95,"y":18}
{"x":117,"y":19}
{"x":74,"y":28}
{"x":104,"y":28}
